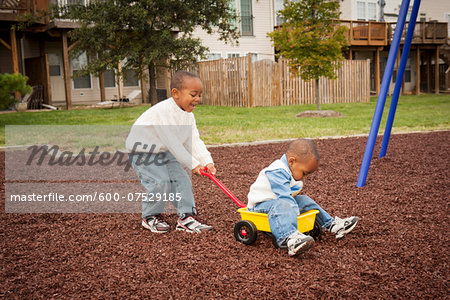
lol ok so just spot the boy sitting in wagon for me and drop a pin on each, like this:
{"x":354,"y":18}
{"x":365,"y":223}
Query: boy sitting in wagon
{"x":275,"y":192}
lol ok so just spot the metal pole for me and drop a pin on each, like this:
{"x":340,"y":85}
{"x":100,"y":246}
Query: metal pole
{"x":399,"y":80}
{"x":382,"y":96}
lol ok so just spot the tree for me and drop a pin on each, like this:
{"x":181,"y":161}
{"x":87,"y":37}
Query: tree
{"x":146,"y":33}
{"x":11,"y":84}
{"x":311,"y":39}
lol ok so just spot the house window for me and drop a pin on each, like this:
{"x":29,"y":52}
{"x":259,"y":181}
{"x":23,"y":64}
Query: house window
{"x":407,"y":75}
{"x":279,"y":5}
{"x":78,"y":63}
{"x":372,"y":11}
{"x":361,"y":10}
{"x":232,"y":55}
{"x":232,"y":5}
{"x":130,"y":78}
{"x":246,"y":17}
{"x":423,"y":17}
{"x":54,"y":62}
{"x":109,"y":78}
{"x":214,"y":56}
{"x":366,"y":10}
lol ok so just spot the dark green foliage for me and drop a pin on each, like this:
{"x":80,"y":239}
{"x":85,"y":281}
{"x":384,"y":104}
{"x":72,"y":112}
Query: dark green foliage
{"x":9,"y":84}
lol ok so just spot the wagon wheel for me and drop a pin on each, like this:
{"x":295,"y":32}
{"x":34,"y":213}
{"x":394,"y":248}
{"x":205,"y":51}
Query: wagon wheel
{"x":245,"y":232}
{"x":316,"y":232}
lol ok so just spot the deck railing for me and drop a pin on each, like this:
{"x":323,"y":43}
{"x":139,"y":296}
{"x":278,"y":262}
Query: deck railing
{"x":366,"y":33}
{"x":424,"y":32}
{"x":11,"y":10}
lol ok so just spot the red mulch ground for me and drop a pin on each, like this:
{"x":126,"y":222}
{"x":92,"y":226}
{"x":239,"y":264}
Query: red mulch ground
{"x":398,"y":250}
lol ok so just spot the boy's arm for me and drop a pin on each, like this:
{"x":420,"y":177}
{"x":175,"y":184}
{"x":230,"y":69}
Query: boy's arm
{"x":168,"y":137}
{"x":199,"y":150}
{"x":280,"y":181}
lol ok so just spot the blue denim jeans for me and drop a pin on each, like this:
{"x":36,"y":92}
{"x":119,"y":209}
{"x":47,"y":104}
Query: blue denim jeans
{"x":282,"y":214}
{"x":165,"y":181}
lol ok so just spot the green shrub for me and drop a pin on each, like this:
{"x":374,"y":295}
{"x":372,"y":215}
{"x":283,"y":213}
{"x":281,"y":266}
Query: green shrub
{"x":9,"y":84}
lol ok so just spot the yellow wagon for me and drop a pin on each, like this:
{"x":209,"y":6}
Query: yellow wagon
{"x":245,"y":231}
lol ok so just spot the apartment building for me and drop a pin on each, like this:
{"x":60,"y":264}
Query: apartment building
{"x":41,"y":51}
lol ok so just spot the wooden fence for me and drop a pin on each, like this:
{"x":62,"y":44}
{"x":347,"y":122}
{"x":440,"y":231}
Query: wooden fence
{"x":241,"y":82}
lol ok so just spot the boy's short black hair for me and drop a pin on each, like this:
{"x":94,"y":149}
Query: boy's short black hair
{"x":177,"y":81}
{"x":305,"y":149}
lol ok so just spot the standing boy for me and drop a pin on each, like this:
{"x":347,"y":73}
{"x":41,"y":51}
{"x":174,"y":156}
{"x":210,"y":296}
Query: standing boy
{"x":163,"y":142}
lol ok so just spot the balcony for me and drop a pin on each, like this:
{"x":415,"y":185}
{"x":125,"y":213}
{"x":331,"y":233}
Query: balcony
{"x":424,"y":33}
{"x":13,"y":10}
{"x":366,"y":33}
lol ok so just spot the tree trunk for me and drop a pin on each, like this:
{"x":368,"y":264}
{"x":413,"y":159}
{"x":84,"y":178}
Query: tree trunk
{"x":153,"y":99}
{"x":317,"y":94}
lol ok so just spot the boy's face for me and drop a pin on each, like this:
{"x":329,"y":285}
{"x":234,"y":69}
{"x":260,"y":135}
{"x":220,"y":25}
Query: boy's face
{"x":188,"y":97}
{"x":301,"y":168}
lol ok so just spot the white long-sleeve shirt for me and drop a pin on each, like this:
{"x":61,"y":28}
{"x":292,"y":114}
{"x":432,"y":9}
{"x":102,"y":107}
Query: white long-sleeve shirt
{"x":166,"y":127}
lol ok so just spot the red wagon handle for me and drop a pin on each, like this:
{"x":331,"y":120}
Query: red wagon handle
{"x":222,"y":187}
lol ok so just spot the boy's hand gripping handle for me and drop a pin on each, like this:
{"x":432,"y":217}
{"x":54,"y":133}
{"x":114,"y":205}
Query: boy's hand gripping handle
{"x":222,"y":187}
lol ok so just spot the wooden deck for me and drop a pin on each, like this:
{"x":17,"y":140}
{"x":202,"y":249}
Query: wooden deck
{"x":368,"y":33}
{"x":13,"y":10}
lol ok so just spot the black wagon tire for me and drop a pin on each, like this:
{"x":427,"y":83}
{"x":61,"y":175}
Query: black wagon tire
{"x":245,"y":232}
{"x":316,"y":232}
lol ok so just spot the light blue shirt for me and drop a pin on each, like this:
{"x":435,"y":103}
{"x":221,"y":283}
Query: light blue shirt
{"x":280,"y":181}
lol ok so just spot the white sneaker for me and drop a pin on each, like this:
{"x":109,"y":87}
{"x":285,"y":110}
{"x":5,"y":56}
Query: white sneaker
{"x":341,"y":227}
{"x":298,"y":243}
{"x":190,"y":224}
{"x":156,"y":224}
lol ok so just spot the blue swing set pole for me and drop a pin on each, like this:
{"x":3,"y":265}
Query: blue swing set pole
{"x":382,"y":96}
{"x":399,"y":79}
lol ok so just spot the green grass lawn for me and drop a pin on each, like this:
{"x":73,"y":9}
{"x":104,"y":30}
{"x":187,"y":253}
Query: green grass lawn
{"x":231,"y":124}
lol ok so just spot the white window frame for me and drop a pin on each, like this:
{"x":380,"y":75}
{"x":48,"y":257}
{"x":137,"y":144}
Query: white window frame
{"x":252,"y":23}
{"x":233,"y":54}
{"x":276,"y":9}
{"x":59,"y":64}
{"x":73,"y":69}
{"x":366,"y":10}
{"x":214,"y":54}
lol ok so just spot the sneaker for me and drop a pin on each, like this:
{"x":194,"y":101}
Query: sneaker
{"x":343,"y":226}
{"x":155,"y":224}
{"x":190,"y":224}
{"x":298,"y":243}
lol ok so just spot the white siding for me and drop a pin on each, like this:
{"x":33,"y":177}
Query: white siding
{"x":433,"y":9}
{"x":347,"y":10}
{"x":258,"y":43}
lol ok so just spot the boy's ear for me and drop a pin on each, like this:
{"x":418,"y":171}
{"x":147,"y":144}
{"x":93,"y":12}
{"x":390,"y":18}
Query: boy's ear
{"x":174,"y":92}
{"x":291,"y":160}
